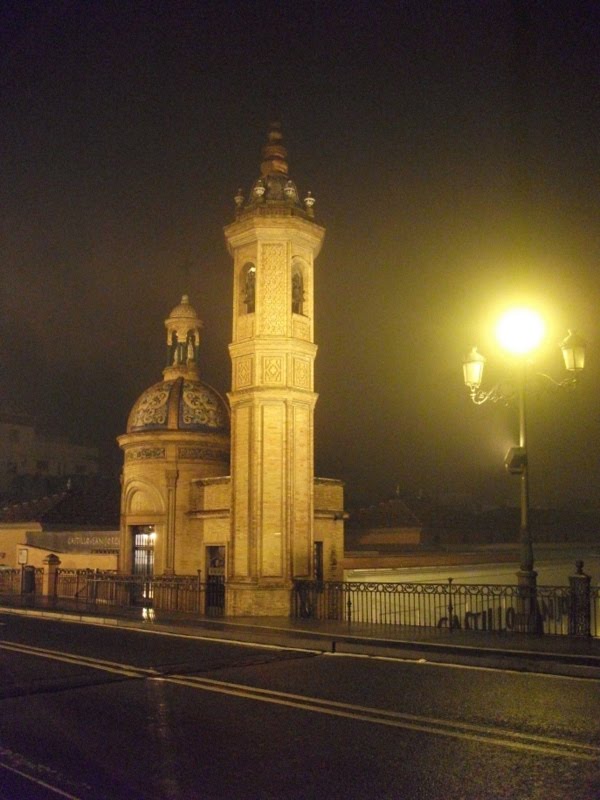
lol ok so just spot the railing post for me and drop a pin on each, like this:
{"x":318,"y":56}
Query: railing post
{"x":349,"y":608}
{"x":450,"y":606}
{"x":49,"y":579}
{"x":95,"y":581}
{"x":580,"y":605}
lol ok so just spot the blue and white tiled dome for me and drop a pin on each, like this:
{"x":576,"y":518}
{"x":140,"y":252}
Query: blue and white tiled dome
{"x":181,"y":404}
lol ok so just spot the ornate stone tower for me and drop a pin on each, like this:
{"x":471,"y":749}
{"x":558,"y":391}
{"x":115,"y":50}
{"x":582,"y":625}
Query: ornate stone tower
{"x":273,"y":241}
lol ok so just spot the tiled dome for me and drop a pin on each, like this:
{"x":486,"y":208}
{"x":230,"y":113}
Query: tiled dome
{"x":182,"y":404}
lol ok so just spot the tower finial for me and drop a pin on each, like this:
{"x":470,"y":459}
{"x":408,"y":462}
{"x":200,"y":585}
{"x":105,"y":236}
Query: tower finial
{"x":274,"y":153}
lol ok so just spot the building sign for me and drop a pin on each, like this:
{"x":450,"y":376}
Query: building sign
{"x":75,"y":541}
{"x":23,"y":555}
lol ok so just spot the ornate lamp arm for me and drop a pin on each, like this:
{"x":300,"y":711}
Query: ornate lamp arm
{"x":500,"y":393}
{"x":551,"y":383}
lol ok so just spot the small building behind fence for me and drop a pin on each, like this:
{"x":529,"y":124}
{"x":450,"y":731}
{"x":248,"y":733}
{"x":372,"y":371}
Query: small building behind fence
{"x":80,"y":525}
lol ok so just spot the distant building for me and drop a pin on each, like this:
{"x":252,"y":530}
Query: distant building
{"x":399,"y":526}
{"x":80,"y":526}
{"x":32,"y":465}
{"x":228,"y":488}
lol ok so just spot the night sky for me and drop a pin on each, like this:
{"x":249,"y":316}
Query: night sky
{"x":452,"y":147}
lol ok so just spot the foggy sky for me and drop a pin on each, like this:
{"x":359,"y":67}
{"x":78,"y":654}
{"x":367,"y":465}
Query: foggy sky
{"x":453,"y":151}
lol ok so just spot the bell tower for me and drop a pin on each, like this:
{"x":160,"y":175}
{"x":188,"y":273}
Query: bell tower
{"x":273,"y":241}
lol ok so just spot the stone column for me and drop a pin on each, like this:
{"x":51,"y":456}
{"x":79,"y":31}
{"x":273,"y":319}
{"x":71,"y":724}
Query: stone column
{"x":169,"y":567}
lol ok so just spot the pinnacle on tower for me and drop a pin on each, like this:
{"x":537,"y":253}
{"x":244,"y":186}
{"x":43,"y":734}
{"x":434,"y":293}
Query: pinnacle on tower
{"x":274,"y":187}
{"x":274,"y":153}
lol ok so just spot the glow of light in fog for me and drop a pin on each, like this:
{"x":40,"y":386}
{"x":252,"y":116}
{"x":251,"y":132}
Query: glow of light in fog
{"x":520,"y":330}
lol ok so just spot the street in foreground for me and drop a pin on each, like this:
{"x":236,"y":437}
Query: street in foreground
{"x":96,"y":712}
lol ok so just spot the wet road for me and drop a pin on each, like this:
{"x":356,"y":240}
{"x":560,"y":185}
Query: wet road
{"x":95,"y":712}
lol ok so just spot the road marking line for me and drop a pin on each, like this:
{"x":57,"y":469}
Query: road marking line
{"x":116,"y":622}
{"x":555,"y":747}
{"x":71,"y":658}
{"x":383,"y":712}
{"x":473,"y":667}
{"x":39,"y":782}
{"x":454,"y":729}
{"x":223,"y":640}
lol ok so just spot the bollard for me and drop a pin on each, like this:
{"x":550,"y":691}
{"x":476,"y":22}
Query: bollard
{"x":580,"y":605}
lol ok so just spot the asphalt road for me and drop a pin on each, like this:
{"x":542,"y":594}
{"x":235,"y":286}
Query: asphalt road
{"x":94,"y":712}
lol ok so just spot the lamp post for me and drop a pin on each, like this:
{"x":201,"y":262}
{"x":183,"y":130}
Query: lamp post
{"x":520,"y":331}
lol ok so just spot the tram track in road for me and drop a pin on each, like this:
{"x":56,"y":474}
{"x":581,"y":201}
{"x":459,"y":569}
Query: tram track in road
{"x":436,"y":726}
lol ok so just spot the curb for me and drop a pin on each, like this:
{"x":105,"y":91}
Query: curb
{"x":547,"y":662}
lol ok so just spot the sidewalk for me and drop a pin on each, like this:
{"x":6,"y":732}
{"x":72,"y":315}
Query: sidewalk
{"x":557,"y":655}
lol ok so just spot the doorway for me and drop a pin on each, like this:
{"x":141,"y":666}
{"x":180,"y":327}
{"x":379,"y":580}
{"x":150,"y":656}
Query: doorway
{"x":215,"y":580}
{"x":144,"y":537}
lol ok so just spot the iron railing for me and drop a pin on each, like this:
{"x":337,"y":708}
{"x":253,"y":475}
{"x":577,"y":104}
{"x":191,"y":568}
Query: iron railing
{"x":21,"y":581}
{"x":88,"y":589}
{"x":96,"y":588}
{"x":558,"y":610}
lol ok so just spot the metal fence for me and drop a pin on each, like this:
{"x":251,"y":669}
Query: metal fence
{"x":558,"y":610}
{"x":87,"y":589}
{"x":24,"y":580}
{"x":181,"y":593}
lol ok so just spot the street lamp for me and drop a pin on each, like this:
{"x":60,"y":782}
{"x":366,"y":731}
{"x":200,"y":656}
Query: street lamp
{"x":520,"y":331}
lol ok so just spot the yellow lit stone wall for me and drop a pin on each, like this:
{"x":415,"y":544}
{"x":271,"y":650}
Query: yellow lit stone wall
{"x":329,"y":525}
{"x":209,"y":519}
{"x":157,"y":478}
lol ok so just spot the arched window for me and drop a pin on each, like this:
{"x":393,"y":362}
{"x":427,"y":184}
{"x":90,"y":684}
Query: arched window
{"x":248,"y":288}
{"x":297,"y":290}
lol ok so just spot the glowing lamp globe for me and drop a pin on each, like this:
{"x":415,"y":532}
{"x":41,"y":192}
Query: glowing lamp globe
{"x":573,"y":350}
{"x":473,"y":365}
{"x":520,"y":331}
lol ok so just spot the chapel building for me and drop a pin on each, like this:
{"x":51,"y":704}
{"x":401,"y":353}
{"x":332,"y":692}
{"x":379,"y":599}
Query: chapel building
{"x":228,"y":488}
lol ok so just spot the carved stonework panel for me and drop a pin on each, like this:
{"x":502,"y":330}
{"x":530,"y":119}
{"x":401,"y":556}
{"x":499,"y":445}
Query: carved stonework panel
{"x":243,"y":373}
{"x":274,"y":297}
{"x":301,"y":329}
{"x":272,"y":369}
{"x":202,"y":454}
{"x":140,"y":453}
{"x":301,"y":373}
{"x":245,"y":327}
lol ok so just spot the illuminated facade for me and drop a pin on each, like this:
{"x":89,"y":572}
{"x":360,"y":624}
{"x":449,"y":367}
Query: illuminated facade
{"x":245,"y":510}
